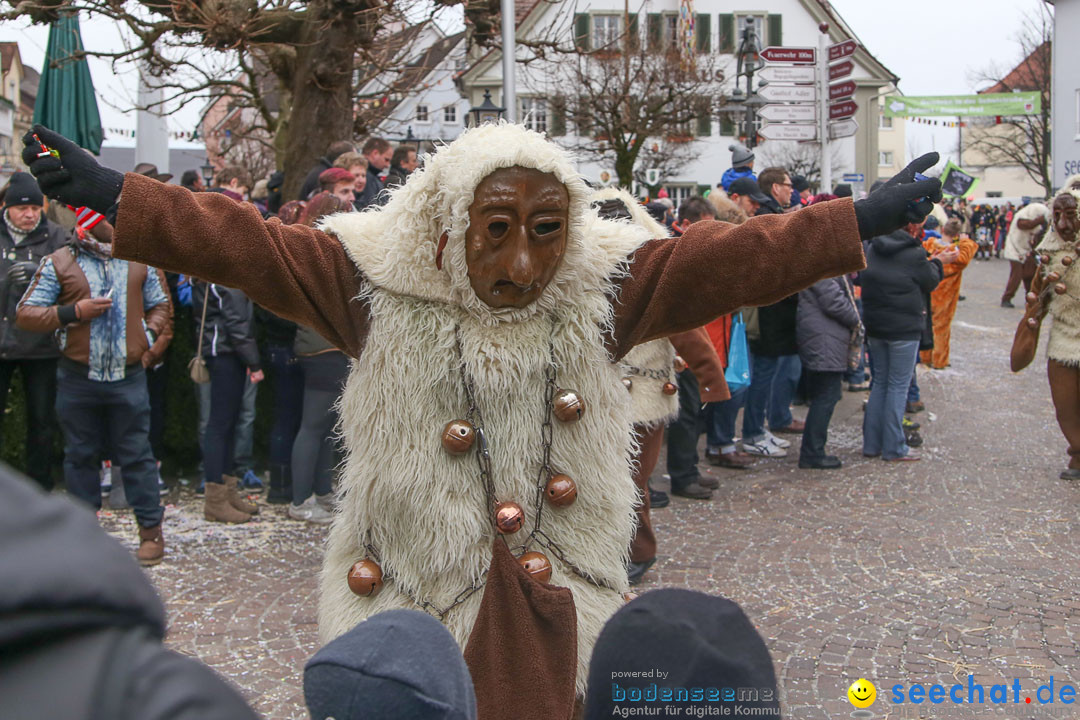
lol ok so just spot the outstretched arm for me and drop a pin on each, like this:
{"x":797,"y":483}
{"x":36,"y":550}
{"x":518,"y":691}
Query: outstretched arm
{"x":294,"y":271}
{"x":676,"y":284}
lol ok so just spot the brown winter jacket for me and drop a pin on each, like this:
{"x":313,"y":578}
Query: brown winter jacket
{"x":304,"y":275}
{"x":696,"y":348}
{"x":74,"y":287}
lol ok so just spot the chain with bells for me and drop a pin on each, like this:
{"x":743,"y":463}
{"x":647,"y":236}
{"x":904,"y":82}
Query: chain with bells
{"x":365,"y":577}
{"x":1053,"y":280}
{"x":668,"y":388}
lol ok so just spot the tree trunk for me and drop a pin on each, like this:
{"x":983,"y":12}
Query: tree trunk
{"x":624,"y":167}
{"x":322,"y":108}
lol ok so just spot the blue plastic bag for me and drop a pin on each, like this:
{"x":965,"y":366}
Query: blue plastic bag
{"x":737,"y":374}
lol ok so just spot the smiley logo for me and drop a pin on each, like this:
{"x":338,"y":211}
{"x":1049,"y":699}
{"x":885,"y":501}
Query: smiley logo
{"x":862,"y":693}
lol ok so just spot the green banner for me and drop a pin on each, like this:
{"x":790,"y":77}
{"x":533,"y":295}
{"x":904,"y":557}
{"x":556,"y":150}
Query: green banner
{"x":985,"y":105}
{"x":956,"y":182}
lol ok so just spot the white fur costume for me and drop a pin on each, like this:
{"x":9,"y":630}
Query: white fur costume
{"x":422,"y":509}
{"x":1064,"y":342}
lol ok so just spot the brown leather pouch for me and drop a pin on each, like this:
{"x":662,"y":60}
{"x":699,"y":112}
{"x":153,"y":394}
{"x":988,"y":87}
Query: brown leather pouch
{"x":522,"y":652}
{"x":1026,"y":339}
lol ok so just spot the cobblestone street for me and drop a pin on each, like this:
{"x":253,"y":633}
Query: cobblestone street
{"x":966,"y":562}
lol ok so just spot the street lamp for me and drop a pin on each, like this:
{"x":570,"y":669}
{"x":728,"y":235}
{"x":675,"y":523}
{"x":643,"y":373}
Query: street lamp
{"x":486,"y":112}
{"x":748,"y":62}
{"x":207,"y":172}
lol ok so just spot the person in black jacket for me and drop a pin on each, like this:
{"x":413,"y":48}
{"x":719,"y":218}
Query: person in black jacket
{"x":81,"y":626}
{"x":311,"y":180}
{"x":26,"y":237}
{"x":775,"y":368}
{"x":231,"y":353}
{"x":897,"y":277}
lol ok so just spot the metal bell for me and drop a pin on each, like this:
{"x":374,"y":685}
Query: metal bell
{"x":1032,"y":297}
{"x":628,"y":383}
{"x":1045,"y":259}
{"x":1067,"y":260}
{"x":680,"y":364}
{"x":458,"y":437}
{"x":509,"y":518}
{"x":1053,"y":277}
{"x":537,"y":565}
{"x":365,"y":578}
{"x":670,"y":388}
{"x":561,"y":490}
{"x":1032,"y":322}
{"x":568,"y":406}
{"x":1060,"y":289}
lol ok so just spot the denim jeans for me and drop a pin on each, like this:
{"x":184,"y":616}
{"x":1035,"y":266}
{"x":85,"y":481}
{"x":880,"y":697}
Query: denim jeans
{"x":720,"y":420}
{"x":39,"y":393}
{"x":913,"y":394}
{"x":772,"y":385}
{"x":109,"y":420}
{"x":857,"y":376}
{"x":227,"y":380}
{"x":288,"y":379}
{"x":891,"y":363}
{"x":683,"y":434}
{"x":244,"y":451}
{"x":823,"y":390}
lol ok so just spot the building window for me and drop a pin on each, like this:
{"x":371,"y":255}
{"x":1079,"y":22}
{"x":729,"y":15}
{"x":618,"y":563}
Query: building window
{"x":886,"y":122}
{"x":885,"y":158}
{"x":421,"y":113}
{"x":449,"y":114}
{"x":679,"y":193}
{"x":606,"y":31}
{"x":758,"y":21}
{"x":534,"y":113}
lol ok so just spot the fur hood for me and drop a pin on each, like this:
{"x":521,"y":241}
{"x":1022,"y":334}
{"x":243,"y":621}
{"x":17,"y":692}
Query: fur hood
{"x":396,"y":244}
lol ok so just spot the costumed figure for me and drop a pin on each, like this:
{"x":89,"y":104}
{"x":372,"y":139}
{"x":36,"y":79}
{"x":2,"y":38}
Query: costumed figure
{"x":946,"y":295}
{"x":1055,"y":290}
{"x":488,"y":432}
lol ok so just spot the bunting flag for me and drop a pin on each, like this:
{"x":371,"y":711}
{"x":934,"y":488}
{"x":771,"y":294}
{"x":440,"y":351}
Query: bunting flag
{"x":185,"y":135}
{"x":957,"y":183}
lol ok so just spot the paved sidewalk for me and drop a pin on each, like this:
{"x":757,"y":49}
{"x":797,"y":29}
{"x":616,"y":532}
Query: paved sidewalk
{"x":966,"y":562}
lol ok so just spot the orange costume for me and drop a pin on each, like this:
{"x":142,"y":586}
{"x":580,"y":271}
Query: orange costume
{"x":944,"y":298}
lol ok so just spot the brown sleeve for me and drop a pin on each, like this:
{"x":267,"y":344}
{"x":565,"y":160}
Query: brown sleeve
{"x":160,"y":319}
{"x":676,"y":284}
{"x":38,"y":318}
{"x":696,"y":348}
{"x":294,"y":271}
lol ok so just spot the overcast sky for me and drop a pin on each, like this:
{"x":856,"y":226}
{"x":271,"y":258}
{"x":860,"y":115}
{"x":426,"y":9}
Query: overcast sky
{"x":935,"y":46}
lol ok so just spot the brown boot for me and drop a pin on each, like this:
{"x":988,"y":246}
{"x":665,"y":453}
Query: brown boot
{"x":235,"y":499}
{"x":217,"y":508}
{"x":151,"y":546}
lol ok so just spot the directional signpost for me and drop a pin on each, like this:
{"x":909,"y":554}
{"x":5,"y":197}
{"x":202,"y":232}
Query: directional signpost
{"x":793,"y":55}
{"x":841,"y":90}
{"x":841,"y":50}
{"x":788,"y":93}
{"x":842,"y":110}
{"x":788,"y":131}
{"x":841,"y":70}
{"x":843,"y":129}
{"x":788,"y":73}
{"x":788,"y":113}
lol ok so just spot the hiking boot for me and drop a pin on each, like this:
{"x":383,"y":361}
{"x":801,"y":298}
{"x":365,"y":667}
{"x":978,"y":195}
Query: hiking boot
{"x":658,"y":499}
{"x":151,"y":546}
{"x":217,"y":508}
{"x":694,"y":491}
{"x":251,"y":482}
{"x":734,"y":461}
{"x":915,"y":407}
{"x":795,"y":428}
{"x":910,"y":424}
{"x":236,"y":500}
{"x":707,"y":481}
{"x":280,"y":491}
{"x":310,"y":511}
{"x":764,"y":448}
{"x":913,"y":438}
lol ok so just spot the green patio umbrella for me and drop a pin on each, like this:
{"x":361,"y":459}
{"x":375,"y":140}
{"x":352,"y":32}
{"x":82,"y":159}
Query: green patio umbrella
{"x":65,"y":101}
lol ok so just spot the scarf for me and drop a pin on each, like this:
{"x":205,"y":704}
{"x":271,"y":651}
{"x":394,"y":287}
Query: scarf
{"x":17,"y":234}
{"x":87,"y":244}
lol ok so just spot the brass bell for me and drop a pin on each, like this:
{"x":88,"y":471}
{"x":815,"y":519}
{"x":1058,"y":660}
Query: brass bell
{"x":628,"y":383}
{"x":568,"y":406}
{"x":1067,"y":260}
{"x":365,"y":578}
{"x":1060,"y":289}
{"x":537,"y":565}
{"x":509,"y":518}
{"x":1032,"y":297}
{"x":680,"y":364}
{"x":1053,"y":277}
{"x":670,"y":388}
{"x":561,"y":490}
{"x":1032,"y":322}
{"x":1045,"y":259}
{"x":458,"y":437}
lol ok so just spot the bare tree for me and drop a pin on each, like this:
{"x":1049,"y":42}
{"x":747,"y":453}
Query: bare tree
{"x":1022,"y":140}
{"x":800,"y":159}
{"x":621,"y":102}
{"x":310,"y":50}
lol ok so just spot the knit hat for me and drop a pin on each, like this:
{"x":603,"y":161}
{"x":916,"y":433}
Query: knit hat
{"x":397,"y":664}
{"x":799,"y":183}
{"x":23,"y":190}
{"x":334,"y":175}
{"x":704,"y":644}
{"x":740,"y":155}
{"x":842,"y":190}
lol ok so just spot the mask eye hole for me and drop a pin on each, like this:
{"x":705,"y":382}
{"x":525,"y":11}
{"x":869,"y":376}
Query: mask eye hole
{"x":498,"y":228}
{"x":546,"y":228}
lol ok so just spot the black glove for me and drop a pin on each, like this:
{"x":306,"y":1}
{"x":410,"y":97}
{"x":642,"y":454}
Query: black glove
{"x":74,"y":178}
{"x":20,"y":273}
{"x":900,"y":201}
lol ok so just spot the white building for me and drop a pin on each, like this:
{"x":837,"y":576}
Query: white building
{"x":782,"y":22}
{"x":1065,"y":91}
